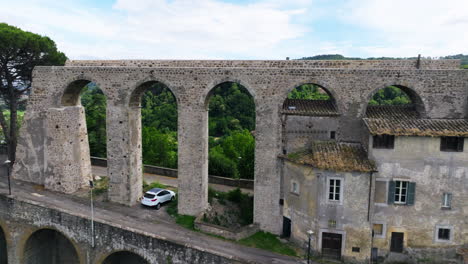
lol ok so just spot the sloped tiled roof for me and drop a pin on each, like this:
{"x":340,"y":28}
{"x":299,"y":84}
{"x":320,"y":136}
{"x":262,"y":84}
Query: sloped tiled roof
{"x":391,"y":111}
{"x":309,"y":107}
{"x":417,"y":127}
{"x":332,"y":155}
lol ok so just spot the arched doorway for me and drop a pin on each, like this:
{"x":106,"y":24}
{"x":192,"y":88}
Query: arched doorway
{"x":124,"y":257}
{"x":47,"y":246}
{"x":3,"y":248}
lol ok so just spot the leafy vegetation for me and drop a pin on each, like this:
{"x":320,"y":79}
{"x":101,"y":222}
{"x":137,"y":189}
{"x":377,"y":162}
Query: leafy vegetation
{"x":100,"y":186}
{"x":242,"y":200}
{"x":186,"y":221}
{"x":94,"y":102}
{"x":147,"y":187}
{"x":462,"y":57}
{"x":20,"y":52}
{"x":390,"y":95}
{"x":309,"y":92}
{"x":268,"y":241}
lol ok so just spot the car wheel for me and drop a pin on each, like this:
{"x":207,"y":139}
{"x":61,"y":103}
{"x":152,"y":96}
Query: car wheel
{"x":172,"y":198}
{"x":158,"y":206}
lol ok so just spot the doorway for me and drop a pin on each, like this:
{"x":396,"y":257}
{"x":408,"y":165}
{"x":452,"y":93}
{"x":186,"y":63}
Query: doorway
{"x":331,"y":245}
{"x":286,"y":227}
{"x":396,"y":244}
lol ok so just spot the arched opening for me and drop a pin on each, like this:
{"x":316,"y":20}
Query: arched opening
{"x":309,"y":114}
{"x":47,"y":246}
{"x":94,"y":102}
{"x":231,"y":127}
{"x":124,"y":257}
{"x":156,"y":105}
{"x":3,"y":248}
{"x":395,"y":101}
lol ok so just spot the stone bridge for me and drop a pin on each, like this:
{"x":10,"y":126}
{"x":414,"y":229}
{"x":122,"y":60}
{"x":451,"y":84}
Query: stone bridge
{"x":53,"y":146}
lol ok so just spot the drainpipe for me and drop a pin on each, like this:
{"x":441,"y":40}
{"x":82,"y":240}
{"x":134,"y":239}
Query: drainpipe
{"x":371,"y":180}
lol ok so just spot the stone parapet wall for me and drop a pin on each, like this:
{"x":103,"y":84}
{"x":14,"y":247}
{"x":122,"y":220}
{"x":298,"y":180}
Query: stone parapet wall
{"x":296,"y":64}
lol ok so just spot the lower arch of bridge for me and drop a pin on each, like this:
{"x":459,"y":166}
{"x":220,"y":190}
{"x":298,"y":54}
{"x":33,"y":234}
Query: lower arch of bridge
{"x":3,"y":248}
{"x":48,"y":246}
{"x":124,"y":257}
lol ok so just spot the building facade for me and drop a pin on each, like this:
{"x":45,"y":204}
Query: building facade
{"x":398,"y":195}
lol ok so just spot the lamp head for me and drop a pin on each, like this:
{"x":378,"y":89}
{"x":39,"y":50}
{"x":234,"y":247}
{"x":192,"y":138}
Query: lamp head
{"x":310,"y":232}
{"x":7,"y":161}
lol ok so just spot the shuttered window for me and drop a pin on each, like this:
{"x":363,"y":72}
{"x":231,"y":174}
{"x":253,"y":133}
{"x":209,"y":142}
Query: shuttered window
{"x":401,"y":192}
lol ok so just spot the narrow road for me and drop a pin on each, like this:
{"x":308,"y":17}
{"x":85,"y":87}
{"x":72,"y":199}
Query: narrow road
{"x":134,"y":219}
{"x":169,"y":181}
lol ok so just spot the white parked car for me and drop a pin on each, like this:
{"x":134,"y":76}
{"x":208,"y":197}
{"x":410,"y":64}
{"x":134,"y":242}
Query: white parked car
{"x":156,"y":196}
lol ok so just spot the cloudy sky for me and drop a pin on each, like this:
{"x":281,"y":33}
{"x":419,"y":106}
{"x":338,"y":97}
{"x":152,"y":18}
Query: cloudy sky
{"x":244,"y":29}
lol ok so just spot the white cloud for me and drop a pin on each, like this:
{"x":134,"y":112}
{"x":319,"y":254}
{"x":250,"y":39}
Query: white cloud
{"x":406,"y":28}
{"x":160,"y":28}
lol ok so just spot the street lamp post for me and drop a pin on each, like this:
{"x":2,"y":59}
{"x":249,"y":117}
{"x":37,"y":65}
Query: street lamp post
{"x":310,"y":233}
{"x":7,"y":164}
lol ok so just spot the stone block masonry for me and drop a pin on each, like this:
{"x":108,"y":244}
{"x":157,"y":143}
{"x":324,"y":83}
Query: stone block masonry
{"x":45,"y":158}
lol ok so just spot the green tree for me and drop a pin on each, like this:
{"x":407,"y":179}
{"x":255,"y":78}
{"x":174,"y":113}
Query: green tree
{"x":20,"y":52}
{"x":159,"y":108}
{"x":94,"y":102}
{"x":159,"y":148}
{"x":390,"y":95}
{"x":309,"y":92}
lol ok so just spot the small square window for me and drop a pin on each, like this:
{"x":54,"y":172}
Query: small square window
{"x":447,"y":201}
{"x":443,"y":234}
{"x":332,"y":134}
{"x":378,"y":229}
{"x":356,"y":249}
{"x":452,"y":144}
{"x":295,"y":187}
{"x":383,"y":141}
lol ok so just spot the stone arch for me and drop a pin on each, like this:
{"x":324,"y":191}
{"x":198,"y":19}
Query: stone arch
{"x":73,"y":88}
{"x":138,"y":90}
{"x":210,"y":88}
{"x":49,"y":246}
{"x":3,"y":247}
{"x":123,"y":257}
{"x":324,"y":86}
{"x":336,"y":99}
{"x":416,"y":100}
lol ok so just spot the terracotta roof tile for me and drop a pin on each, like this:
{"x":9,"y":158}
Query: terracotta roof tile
{"x":332,"y":155}
{"x":391,"y":111}
{"x":309,"y":107}
{"x":417,"y":127}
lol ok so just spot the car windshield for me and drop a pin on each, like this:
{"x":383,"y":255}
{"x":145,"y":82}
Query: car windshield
{"x":149,"y":195}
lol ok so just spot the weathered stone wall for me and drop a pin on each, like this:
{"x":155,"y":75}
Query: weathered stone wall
{"x":19,"y":220}
{"x":306,"y":64}
{"x":350,"y":83}
{"x":310,"y":209}
{"x":300,"y":131}
{"x":419,"y":160}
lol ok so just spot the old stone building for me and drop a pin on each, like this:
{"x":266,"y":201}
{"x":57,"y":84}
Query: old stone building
{"x":338,"y":167}
{"x":400,"y":194}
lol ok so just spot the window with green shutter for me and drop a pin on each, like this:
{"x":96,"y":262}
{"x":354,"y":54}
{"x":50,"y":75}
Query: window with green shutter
{"x":401,"y":192}
{"x":391,"y":192}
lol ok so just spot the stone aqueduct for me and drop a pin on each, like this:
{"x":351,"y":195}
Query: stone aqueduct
{"x":53,"y":146}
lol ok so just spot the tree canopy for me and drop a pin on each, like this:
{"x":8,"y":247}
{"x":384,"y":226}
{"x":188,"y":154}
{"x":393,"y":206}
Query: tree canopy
{"x":20,"y":52}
